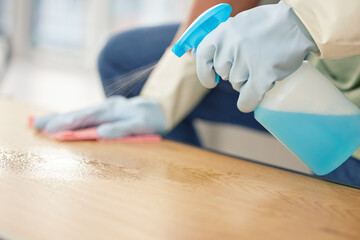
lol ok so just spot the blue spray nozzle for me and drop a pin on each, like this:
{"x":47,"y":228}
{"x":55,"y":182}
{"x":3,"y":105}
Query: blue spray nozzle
{"x":202,"y":26}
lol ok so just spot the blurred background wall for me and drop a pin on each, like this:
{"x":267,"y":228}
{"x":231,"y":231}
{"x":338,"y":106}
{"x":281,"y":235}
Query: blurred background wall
{"x":55,"y":44}
{"x":76,"y":28}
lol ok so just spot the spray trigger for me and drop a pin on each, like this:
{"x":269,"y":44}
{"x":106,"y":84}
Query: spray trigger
{"x":202,"y":26}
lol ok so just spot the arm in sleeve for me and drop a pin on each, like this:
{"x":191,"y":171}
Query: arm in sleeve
{"x":333,"y":24}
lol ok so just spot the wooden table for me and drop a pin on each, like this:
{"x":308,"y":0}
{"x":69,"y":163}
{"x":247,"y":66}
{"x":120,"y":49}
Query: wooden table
{"x":90,"y":190}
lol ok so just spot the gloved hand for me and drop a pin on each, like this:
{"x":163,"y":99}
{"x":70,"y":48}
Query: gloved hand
{"x":116,"y":117}
{"x":253,"y":50}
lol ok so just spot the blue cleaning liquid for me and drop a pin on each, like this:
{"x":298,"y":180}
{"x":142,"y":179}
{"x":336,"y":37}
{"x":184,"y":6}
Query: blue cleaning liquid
{"x":322,"y":142}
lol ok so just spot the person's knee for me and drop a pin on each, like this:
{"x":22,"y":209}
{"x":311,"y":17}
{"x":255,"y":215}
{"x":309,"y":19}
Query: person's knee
{"x":134,"y":48}
{"x":106,"y":60}
{"x":130,"y":50}
{"x":116,"y":57}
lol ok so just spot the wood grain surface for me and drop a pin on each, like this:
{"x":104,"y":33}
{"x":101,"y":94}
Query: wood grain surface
{"x":167,"y":190}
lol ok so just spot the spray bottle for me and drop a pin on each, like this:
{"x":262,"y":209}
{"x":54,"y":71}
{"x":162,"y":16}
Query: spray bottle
{"x":304,"y":111}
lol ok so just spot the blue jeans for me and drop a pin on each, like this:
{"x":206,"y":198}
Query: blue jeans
{"x":131,"y":50}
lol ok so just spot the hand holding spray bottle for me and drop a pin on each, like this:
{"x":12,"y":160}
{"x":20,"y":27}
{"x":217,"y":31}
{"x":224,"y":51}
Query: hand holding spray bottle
{"x":304,"y":111}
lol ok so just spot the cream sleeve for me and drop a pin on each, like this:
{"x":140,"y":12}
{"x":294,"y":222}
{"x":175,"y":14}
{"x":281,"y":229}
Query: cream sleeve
{"x":174,"y":84}
{"x":333,"y":24}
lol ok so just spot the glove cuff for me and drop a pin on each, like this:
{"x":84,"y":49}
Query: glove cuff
{"x":296,"y":20}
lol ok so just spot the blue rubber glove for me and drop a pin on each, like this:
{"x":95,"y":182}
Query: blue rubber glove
{"x":116,"y":117}
{"x":253,"y":50}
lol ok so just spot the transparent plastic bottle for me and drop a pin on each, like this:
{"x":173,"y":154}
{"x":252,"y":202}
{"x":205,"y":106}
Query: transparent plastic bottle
{"x":312,"y":118}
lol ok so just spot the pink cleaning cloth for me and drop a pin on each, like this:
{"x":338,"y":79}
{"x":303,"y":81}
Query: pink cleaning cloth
{"x":91,"y":134}
{"x":31,"y":120}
